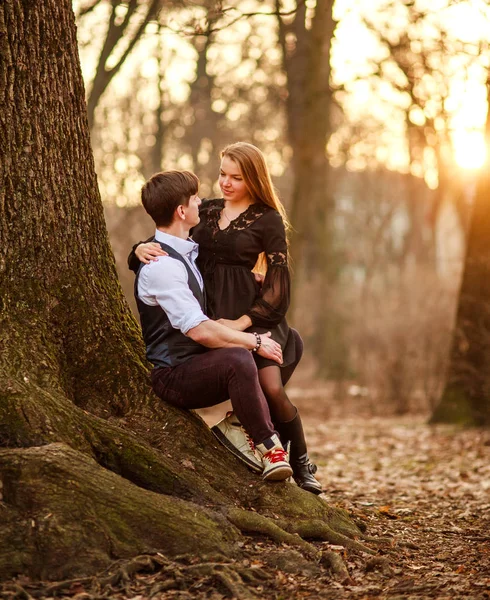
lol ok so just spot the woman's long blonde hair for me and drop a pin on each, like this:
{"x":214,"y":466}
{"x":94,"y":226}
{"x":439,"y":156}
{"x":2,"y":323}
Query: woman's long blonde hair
{"x":257,"y":178}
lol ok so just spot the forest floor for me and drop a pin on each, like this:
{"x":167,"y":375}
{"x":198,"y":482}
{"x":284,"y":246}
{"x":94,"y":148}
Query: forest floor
{"x":424,"y":490}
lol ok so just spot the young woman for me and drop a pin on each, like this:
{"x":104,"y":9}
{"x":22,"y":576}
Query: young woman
{"x":243,"y":230}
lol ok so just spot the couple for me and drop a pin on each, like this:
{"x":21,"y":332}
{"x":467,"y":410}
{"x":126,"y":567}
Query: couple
{"x":203,"y":312}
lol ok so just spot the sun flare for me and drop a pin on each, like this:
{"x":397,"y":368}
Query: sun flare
{"x":470,"y":150}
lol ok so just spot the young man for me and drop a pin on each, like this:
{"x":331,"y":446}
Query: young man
{"x":198,"y":362}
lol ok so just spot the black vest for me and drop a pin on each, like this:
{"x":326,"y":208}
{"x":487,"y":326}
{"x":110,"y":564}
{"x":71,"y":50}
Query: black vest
{"x":166,"y":346}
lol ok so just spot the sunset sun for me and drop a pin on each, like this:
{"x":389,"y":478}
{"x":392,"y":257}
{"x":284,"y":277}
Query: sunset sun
{"x":470,"y":151}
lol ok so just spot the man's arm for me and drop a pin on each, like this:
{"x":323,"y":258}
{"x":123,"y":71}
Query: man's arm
{"x":164,"y":282}
{"x":214,"y":335}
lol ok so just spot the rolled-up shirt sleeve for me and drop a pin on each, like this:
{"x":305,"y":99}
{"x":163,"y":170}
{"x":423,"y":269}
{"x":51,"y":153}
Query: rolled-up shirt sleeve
{"x":165,"y":282}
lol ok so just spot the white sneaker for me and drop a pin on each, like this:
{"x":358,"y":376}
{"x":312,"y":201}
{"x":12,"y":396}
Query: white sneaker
{"x":275,"y":459}
{"x":233,"y":436}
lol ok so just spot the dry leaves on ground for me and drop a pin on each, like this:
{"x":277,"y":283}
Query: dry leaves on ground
{"x":422,"y":492}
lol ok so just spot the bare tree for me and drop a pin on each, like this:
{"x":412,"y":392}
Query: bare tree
{"x":127,"y":23}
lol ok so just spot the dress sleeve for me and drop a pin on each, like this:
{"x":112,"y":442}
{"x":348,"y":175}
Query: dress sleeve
{"x":133,"y":260}
{"x":273,"y":302}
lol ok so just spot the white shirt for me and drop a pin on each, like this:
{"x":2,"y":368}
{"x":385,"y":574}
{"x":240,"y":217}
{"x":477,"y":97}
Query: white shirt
{"x":164,"y":282}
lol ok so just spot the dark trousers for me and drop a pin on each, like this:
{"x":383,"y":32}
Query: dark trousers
{"x":212,"y":378}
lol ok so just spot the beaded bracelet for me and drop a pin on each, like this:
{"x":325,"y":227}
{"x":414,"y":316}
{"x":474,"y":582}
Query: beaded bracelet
{"x":258,"y":342}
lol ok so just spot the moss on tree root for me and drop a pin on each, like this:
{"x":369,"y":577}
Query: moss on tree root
{"x":104,"y":492}
{"x":251,"y":522}
{"x":74,"y":516}
{"x":31,"y":416}
{"x":320,"y":530}
{"x":60,"y":506}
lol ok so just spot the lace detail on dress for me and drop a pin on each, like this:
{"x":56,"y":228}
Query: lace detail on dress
{"x":248,"y":217}
{"x":277,"y":259}
{"x":243,"y":221}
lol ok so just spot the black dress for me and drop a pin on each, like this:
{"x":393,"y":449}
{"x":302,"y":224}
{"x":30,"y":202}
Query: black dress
{"x":226,"y":259}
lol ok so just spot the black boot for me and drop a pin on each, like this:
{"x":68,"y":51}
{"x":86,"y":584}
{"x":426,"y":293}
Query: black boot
{"x":303,"y":469}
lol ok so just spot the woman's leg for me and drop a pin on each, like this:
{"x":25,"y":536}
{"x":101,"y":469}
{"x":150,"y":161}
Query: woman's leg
{"x":272,"y":381}
{"x":280,"y":405}
{"x":288,"y":423}
{"x":303,"y":469}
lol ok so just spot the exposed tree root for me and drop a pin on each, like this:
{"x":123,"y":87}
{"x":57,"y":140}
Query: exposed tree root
{"x":316,"y":529}
{"x":139,"y":564}
{"x":251,"y":522}
{"x":66,"y":515}
{"x":377,"y":540}
{"x":236,"y":579}
{"x":232,"y":576}
{"x":409,"y":545}
{"x":337,"y":566}
{"x":211,"y":568}
{"x":122,"y":485}
{"x":293,"y":533}
{"x":115,"y":448}
{"x":61,"y":586}
{"x":228,"y":576}
{"x":19,"y":593}
{"x":379,"y":563}
{"x":119,"y":513}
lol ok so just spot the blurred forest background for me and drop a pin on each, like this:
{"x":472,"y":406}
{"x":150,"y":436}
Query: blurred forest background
{"x":371,"y":114}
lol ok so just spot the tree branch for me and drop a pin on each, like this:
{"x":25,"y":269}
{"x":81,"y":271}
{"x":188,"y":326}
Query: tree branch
{"x":115,"y":32}
{"x":84,"y":10}
{"x":207,"y":31}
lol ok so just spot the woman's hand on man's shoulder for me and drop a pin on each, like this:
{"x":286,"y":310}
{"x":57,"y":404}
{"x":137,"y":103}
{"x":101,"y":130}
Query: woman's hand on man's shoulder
{"x":149,"y":251}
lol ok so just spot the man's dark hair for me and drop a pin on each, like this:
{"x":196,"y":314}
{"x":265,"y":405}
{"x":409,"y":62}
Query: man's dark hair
{"x":165,"y":191}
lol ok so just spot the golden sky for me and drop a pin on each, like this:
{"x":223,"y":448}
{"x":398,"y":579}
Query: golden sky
{"x":373,"y":104}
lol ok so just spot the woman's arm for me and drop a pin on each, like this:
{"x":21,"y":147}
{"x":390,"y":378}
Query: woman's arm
{"x":244,"y":322}
{"x":271,"y":305}
{"x":149,"y":251}
{"x":273,"y":301}
{"x":144,"y":252}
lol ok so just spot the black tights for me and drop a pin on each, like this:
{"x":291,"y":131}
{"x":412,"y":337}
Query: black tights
{"x":272,"y":381}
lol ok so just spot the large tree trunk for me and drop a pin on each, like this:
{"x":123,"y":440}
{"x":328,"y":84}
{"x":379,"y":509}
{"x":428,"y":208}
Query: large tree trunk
{"x":466,"y":398}
{"x":92,"y":466}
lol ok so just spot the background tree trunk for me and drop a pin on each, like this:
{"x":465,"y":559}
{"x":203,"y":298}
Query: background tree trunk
{"x":306,"y":62}
{"x":92,"y":468}
{"x":466,"y":397}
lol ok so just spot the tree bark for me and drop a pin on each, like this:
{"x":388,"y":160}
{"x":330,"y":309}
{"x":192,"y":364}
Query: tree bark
{"x":93,"y":467}
{"x":466,"y":397}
